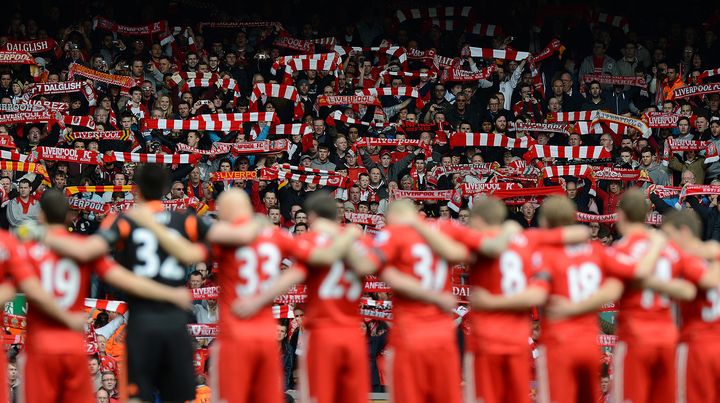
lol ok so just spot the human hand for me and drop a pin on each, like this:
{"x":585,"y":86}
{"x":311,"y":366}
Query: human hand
{"x":141,"y":215}
{"x":559,"y":308}
{"x":446,"y":302}
{"x":181,"y":297}
{"x":245,"y":308}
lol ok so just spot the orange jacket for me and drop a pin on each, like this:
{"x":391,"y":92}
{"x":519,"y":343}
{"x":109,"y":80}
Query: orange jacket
{"x":668,"y":88}
{"x":203,"y":393}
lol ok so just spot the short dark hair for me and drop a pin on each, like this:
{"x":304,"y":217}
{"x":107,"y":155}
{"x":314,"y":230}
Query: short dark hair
{"x":54,"y":206}
{"x":152,"y":180}
{"x":322,"y":205}
{"x":632,"y":204}
{"x":683,"y":218}
{"x":194,"y":273}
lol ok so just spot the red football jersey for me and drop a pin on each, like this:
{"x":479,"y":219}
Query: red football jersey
{"x":503,"y":331}
{"x":69,"y":282}
{"x":333,"y":291}
{"x":701,"y":316}
{"x":404,"y":249}
{"x":644,"y":315}
{"x":575,"y":272}
{"x":245,"y":271}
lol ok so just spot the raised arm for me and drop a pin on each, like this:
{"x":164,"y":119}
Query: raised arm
{"x":678,"y":289}
{"x":123,"y":279}
{"x":246,"y":307}
{"x":410,"y":287}
{"x":81,"y":250}
{"x":185,"y":251}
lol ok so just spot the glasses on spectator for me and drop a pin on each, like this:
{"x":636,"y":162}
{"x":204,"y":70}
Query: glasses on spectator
{"x":178,"y":189}
{"x":108,"y":380}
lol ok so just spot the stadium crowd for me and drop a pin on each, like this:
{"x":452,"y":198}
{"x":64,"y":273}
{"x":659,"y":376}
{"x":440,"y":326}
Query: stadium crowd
{"x":440,"y":105}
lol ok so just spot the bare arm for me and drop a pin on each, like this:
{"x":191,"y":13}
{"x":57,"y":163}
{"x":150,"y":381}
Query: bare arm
{"x":82,"y":250}
{"x":711,"y":278}
{"x":646,"y":264}
{"x":123,"y":279}
{"x":358,"y":260}
{"x":249,"y":306}
{"x":182,"y":249}
{"x":445,"y":247}
{"x":410,"y":287}
{"x":560,"y":308}
{"x":335,"y":250}
{"x":223,"y":233}
{"x":493,"y":247}
{"x":676,"y":288}
{"x":575,"y":234}
{"x":481,"y":299}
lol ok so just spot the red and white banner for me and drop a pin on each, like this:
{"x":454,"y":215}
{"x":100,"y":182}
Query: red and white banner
{"x":31,"y":105}
{"x":14,"y":57}
{"x":613,"y":20}
{"x":460,"y":139}
{"x":291,"y":128}
{"x":673,"y":145}
{"x":458,"y":74}
{"x":199,"y":330}
{"x":62,"y":87}
{"x":275,"y":91}
{"x":636,"y":124}
{"x":571,"y":116}
{"x":87,"y":205}
{"x":375,"y":220}
{"x":381,"y":142}
{"x":620,"y":174}
{"x":487,"y":188}
{"x":333,"y":100}
{"x":695,"y":190}
{"x":299,"y":45}
{"x":653,"y":218}
{"x":111,"y":135}
{"x":147,"y":29}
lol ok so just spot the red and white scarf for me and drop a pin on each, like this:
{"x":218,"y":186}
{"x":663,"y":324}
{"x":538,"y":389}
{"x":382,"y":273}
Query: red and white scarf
{"x":117,"y":156}
{"x":653,"y":218}
{"x":407,"y":74}
{"x":489,"y":53}
{"x":69,"y":155}
{"x":696,"y":90}
{"x":220,"y":176}
{"x":13,"y":156}
{"x":470,"y":189}
{"x":380,"y":142}
{"x":434,"y":12}
{"x":300,"y":45}
{"x":458,"y":74}
{"x":43,"y":106}
{"x":636,"y":124}
{"x":243,"y":24}
{"x":261,"y":147}
{"x":6,"y":141}
{"x":205,"y":293}
{"x":107,"y":78}
{"x":468,"y":26}
{"x":661,"y":120}
{"x":194,"y":80}
{"x":112,"y":135}
{"x":62,"y":87}
{"x":14,"y":57}
{"x":338,"y":115}
{"x":239,"y":117}
{"x":541,"y":127}
{"x":568,"y":152}
{"x":489,"y":168}
{"x":276,"y":91}
{"x":612,"y":20}
{"x":709,"y":73}
{"x":284,"y":60}
{"x":376,"y":220}
{"x":309,"y":64}
{"x":615,"y":80}
{"x":198,"y":330}
{"x":82,"y":121}
{"x":89,"y":206}
{"x":315,"y":176}
{"x":289,"y":129}
{"x":459,"y":139}
{"x":36,"y":46}
{"x":665,"y":192}
{"x":138,"y":30}
{"x":403,"y":91}
{"x":571,"y":116}
{"x":620,"y":174}
{"x":217,"y":122}
{"x":107,"y":305}
{"x":695,"y":190}
{"x":333,"y":100}
{"x":673,"y":145}
{"x":424,"y":194}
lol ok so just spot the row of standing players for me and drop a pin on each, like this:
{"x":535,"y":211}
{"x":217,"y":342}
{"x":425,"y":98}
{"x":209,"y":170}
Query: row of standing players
{"x":511,"y":271}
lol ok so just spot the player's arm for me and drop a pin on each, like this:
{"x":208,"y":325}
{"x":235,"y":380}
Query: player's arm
{"x":494,"y":246}
{"x":223,"y":233}
{"x":182,"y":249}
{"x":441,"y":244}
{"x":646,"y":264}
{"x":678,"y":289}
{"x":711,"y":278}
{"x":575,"y":234}
{"x":123,"y":279}
{"x":336,"y":249}
{"x":561,"y":307}
{"x":362,"y":261}
{"x":533,"y":295}
{"x":410,"y":287}
{"x":80,"y":249}
{"x":7,"y":292}
{"x":246,"y":307}
{"x":45,"y":302}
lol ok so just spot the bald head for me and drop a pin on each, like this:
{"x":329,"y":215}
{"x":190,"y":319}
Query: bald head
{"x":399,"y":211}
{"x":233,"y":204}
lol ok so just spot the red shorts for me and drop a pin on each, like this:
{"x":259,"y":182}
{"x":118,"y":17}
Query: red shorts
{"x":334,"y":366}
{"x":698,"y":367}
{"x":424,"y":372}
{"x":644,"y":373}
{"x":497,"y":378}
{"x":569,"y":372}
{"x":246,"y":370}
{"x":55,"y":378}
